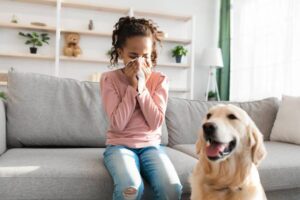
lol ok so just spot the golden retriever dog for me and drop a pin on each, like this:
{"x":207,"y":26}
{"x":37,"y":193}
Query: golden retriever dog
{"x":229,"y":147}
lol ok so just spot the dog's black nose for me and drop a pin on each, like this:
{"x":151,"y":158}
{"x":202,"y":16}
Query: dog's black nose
{"x":209,"y":129}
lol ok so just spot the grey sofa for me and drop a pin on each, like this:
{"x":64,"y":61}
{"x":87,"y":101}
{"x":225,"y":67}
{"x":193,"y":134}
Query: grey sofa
{"x":52,"y":137}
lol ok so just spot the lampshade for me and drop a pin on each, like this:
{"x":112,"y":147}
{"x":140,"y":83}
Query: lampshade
{"x":212,"y":57}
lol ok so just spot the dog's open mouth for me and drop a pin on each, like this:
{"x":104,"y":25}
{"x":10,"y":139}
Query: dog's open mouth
{"x":216,"y":150}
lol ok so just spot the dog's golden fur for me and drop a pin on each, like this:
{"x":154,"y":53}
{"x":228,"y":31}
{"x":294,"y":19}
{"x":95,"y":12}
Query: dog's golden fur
{"x":234,"y":177}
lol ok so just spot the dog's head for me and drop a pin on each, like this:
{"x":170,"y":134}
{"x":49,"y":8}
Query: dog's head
{"x":228,"y":130}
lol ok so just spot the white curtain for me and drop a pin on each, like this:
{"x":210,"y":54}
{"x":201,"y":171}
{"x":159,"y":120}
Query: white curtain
{"x":265,"y":49}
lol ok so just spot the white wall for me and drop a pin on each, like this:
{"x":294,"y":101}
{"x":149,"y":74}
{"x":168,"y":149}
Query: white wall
{"x":206,"y":12}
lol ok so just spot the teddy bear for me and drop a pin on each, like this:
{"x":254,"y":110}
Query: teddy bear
{"x":71,"y":47}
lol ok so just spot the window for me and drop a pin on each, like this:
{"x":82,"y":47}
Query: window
{"x":265,"y":49}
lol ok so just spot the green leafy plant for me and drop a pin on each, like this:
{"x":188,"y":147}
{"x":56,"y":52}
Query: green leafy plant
{"x":212,"y":94}
{"x":179,"y":50}
{"x":35,"y":39}
{"x":3,"y":95}
{"x":108,"y":53}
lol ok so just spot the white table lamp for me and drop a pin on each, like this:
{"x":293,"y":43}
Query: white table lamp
{"x":212,"y":57}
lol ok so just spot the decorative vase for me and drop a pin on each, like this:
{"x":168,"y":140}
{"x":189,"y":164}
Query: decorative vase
{"x":91,"y":25}
{"x":14,"y":19}
{"x":33,"y":50}
{"x":178,"y":59}
{"x":212,"y":99}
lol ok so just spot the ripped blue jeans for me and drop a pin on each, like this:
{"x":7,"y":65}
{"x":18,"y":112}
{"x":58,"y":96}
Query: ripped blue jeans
{"x":127,"y":166}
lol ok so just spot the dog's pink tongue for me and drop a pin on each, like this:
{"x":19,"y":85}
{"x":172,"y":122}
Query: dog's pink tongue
{"x":214,"y":149}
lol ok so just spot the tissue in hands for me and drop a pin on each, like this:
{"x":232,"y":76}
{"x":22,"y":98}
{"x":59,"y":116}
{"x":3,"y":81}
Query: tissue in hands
{"x":141,"y":79}
{"x":140,"y":74}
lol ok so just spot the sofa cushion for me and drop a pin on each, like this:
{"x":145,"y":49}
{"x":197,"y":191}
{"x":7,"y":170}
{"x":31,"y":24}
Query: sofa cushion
{"x":68,"y":173}
{"x":189,"y":149}
{"x":44,"y":110}
{"x":184,"y":117}
{"x":42,"y":173}
{"x":287,"y":124}
{"x":290,"y":194}
{"x":281,"y":168}
{"x":279,"y":171}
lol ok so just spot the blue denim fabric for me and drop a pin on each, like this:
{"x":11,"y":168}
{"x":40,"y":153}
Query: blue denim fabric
{"x":127,"y":166}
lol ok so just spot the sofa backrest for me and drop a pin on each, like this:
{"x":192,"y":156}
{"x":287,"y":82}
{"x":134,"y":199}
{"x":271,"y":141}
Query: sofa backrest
{"x":45,"y":111}
{"x":184,"y":117}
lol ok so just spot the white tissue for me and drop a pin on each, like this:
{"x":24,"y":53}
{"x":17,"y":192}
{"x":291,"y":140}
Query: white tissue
{"x":140,"y":73}
{"x":141,"y":80}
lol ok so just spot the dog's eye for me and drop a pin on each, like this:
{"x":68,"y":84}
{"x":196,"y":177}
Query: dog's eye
{"x":232,"y":116}
{"x":208,"y":115}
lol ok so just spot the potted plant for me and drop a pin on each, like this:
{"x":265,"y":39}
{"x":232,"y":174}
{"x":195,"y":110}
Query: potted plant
{"x":212,"y":96}
{"x":3,"y":95}
{"x":35,"y":40}
{"x":108,"y":53}
{"x":178,"y":52}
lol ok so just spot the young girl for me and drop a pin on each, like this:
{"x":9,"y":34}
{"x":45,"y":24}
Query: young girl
{"x":135,"y":100}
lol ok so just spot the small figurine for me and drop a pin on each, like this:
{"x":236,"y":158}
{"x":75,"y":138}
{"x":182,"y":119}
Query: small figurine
{"x":14,"y":19}
{"x":91,"y":25}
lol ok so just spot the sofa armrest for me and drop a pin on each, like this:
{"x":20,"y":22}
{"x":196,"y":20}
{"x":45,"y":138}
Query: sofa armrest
{"x":3,"y":146}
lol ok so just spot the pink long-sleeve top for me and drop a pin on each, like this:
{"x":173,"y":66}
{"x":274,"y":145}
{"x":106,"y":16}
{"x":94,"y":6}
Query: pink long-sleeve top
{"x":135,"y":119}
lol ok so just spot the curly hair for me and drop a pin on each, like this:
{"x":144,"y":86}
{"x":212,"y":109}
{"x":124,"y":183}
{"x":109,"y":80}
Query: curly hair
{"x":128,"y":27}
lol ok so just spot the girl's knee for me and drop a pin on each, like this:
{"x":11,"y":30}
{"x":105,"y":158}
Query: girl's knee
{"x":130,"y":192}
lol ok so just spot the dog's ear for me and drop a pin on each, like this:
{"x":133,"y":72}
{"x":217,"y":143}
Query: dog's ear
{"x":258,"y":151}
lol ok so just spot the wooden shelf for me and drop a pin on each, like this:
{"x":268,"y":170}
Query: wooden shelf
{"x":177,"y":65}
{"x":27,"y":26}
{"x":107,"y":34}
{"x":83,"y":32}
{"x":176,"y":40}
{"x":44,"y":2}
{"x":85,"y":59}
{"x":87,"y":32}
{"x":79,"y":5}
{"x":2,"y":83}
{"x":22,"y":55}
{"x":162,"y":15}
{"x":97,"y":7}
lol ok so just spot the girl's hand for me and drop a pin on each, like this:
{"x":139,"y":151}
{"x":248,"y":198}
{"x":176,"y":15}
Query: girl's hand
{"x":132,"y":68}
{"x":130,"y":71}
{"x":147,"y":71}
{"x":147,"y":68}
